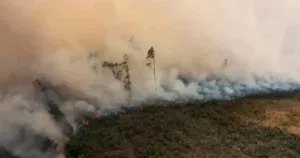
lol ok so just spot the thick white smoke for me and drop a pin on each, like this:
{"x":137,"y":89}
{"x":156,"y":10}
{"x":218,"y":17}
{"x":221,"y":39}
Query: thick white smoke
{"x":221,"y":48}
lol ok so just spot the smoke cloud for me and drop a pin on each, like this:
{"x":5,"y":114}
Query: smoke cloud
{"x":205,"y":49}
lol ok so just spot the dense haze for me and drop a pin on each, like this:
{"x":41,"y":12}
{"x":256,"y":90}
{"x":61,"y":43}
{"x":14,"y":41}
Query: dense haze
{"x":192,"y":38}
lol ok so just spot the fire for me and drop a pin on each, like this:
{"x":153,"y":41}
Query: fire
{"x":124,"y":115}
{"x":97,"y":116}
{"x":85,"y":122}
{"x":140,"y":109}
{"x":61,"y":155}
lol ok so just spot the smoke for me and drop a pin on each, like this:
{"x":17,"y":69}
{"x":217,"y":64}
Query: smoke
{"x":192,"y":39}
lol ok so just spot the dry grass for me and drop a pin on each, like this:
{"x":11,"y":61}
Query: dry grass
{"x":253,"y":127}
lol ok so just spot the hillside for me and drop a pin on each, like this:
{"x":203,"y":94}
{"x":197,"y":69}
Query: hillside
{"x":257,"y":126}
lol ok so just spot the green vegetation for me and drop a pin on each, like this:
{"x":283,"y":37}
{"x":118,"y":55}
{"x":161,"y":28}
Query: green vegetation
{"x":243,"y":128}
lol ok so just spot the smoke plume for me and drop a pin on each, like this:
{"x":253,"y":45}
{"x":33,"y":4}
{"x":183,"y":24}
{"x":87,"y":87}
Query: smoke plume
{"x":204,"y":49}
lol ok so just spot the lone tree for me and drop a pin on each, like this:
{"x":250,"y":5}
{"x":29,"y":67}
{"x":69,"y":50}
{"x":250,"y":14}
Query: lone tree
{"x":151,"y":62}
{"x":127,"y":81}
{"x":92,"y":57}
{"x":225,"y":63}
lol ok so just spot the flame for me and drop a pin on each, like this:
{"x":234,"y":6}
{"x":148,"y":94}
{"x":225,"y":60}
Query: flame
{"x":61,"y":155}
{"x":140,"y":109}
{"x":85,"y":122}
{"x":124,"y":115}
{"x":97,"y":116}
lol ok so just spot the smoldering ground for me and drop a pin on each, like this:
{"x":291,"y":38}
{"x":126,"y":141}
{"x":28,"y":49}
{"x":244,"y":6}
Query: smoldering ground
{"x":192,"y":39}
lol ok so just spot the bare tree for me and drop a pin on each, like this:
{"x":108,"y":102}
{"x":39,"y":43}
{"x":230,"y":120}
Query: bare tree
{"x":119,"y":70}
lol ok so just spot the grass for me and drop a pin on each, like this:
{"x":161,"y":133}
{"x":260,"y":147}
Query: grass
{"x":250,"y":127}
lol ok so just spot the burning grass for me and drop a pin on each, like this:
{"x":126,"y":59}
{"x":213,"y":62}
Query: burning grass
{"x":249,"y":127}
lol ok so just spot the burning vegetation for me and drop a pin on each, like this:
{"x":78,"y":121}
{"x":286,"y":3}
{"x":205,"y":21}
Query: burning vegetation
{"x":45,"y":89}
{"x":120,"y":71}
